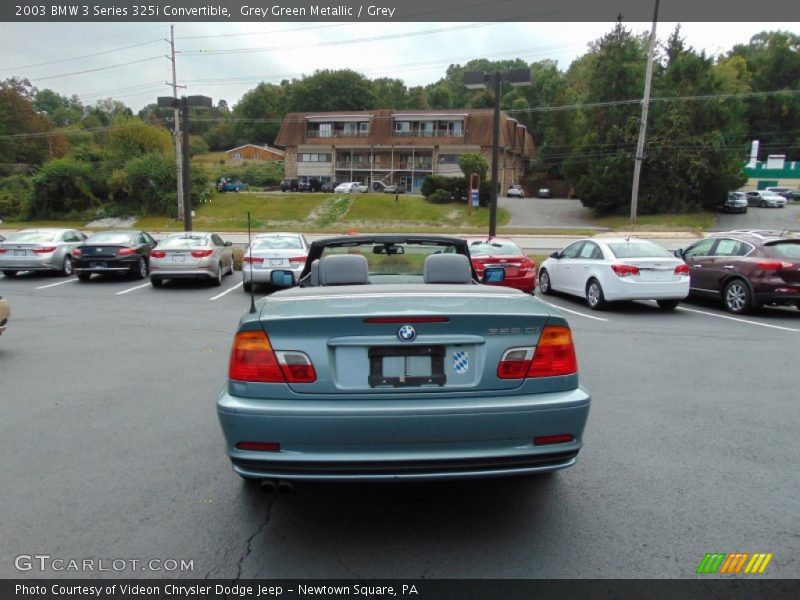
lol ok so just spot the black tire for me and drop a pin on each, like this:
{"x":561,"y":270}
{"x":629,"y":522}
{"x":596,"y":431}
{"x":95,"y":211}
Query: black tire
{"x":668,"y":304}
{"x":763,"y":204}
{"x":246,"y":287}
{"x":66,"y":267}
{"x":217,"y":281}
{"x":140,"y":270}
{"x":544,"y":283}
{"x":10,"y":274}
{"x":84,"y":277}
{"x":156,"y":282}
{"x":737,"y":297}
{"x":594,"y":295}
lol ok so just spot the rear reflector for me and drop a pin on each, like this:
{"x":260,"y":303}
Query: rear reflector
{"x":555,"y":353}
{"x":544,"y":440}
{"x":45,"y":250}
{"x":252,"y":359}
{"x":158,"y":254}
{"x":202,"y":253}
{"x":374,"y":320}
{"x":625,"y":270}
{"x":682,"y":269}
{"x":259,"y":446}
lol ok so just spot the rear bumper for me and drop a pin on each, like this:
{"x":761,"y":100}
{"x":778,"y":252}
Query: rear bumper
{"x":162,"y":273}
{"x":111,"y":266}
{"x":413,"y":439}
{"x":650,"y":290}
{"x":29,"y":264}
{"x":265,"y":275}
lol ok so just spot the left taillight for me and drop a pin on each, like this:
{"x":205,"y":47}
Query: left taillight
{"x":253,"y":359}
{"x":77,"y":252}
{"x":158,"y":254}
{"x":553,"y":355}
{"x":45,"y":250}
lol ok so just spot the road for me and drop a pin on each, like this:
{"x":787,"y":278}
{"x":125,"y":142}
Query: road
{"x":112,"y":450}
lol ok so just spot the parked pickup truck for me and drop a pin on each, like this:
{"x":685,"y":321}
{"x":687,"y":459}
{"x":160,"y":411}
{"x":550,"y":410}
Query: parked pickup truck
{"x":230,"y":185}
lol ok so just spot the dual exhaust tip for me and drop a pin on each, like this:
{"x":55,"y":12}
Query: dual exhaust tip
{"x":270,"y":486}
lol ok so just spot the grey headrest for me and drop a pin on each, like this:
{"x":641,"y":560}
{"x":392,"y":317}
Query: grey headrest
{"x":447,"y":268}
{"x":313,"y":275}
{"x":343,"y":269}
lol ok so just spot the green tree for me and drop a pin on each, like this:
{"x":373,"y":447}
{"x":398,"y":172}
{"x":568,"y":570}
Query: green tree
{"x":473,"y":163}
{"x":258,"y":115}
{"x":131,"y":137}
{"x":63,"y":186}
{"x":389,"y":93}
{"x":330,"y":90}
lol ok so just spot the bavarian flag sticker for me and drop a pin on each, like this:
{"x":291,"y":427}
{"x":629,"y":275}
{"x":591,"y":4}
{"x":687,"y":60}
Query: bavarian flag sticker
{"x":460,"y":362}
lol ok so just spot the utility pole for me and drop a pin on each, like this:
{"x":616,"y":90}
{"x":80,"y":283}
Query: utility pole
{"x":637,"y":165}
{"x":176,"y":134}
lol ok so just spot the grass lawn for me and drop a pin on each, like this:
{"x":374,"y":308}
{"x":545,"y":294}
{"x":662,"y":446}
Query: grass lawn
{"x":695,"y":222}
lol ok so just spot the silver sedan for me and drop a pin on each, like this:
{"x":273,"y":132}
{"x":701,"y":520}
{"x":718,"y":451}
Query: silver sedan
{"x":44,"y":249}
{"x":191,"y":255}
{"x":269,"y":251}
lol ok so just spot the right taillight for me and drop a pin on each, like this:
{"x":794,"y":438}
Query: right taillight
{"x":682,"y":269}
{"x":555,"y":353}
{"x":252,"y":260}
{"x":772,"y":265}
{"x":253,"y":359}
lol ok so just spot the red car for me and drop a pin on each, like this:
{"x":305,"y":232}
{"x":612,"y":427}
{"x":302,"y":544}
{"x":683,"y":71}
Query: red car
{"x":502,"y":252}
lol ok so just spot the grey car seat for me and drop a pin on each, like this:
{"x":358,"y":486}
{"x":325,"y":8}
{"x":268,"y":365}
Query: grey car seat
{"x":447,"y":268}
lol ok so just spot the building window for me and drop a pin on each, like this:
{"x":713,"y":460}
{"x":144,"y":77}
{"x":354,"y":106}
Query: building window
{"x":402,"y":127}
{"x":310,"y":157}
{"x":449,"y":159}
{"x":237,"y":155}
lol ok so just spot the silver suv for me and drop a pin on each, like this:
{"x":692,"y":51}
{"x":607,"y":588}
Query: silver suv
{"x":735,"y":202}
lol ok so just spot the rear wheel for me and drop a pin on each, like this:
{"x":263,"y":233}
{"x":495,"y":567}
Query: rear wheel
{"x":668,"y":304}
{"x":544,"y":282}
{"x":594,"y":295}
{"x":156,"y":281}
{"x":247,"y":286}
{"x":84,"y":276}
{"x":66,"y":266}
{"x":737,"y":297}
{"x":10,"y":274}
{"x":140,"y":269}
{"x":218,"y":280}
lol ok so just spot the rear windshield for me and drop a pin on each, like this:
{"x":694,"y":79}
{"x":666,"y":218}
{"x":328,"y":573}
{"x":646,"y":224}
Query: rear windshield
{"x":277,"y":243}
{"x":638,"y":250}
{"x":787,"y":249}
{"x":109,"y":237}
{"x":186,"y":241}
{"x":32,"y":237}
{"x":494,"y":248}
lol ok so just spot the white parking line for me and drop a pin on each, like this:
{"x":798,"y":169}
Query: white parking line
{"x":44,"y":287}
{"x":710,"y":314}
{"x":229,"y":290}
{"x":138,"y":287}
{"x":574,"y":312}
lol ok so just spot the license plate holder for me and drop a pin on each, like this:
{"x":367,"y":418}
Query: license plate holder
{"x":97,"y":265}
{"x":20,"y":252}
{"x":275,"y":262}
{"x":178,"y":258}
{"x":436,"y":376}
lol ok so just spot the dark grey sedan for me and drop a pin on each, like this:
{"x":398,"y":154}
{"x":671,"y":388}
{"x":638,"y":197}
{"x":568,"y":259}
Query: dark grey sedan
{"x":116,"y":252}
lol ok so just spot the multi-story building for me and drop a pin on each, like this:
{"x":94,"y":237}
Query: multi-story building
{"x":399,"y":147}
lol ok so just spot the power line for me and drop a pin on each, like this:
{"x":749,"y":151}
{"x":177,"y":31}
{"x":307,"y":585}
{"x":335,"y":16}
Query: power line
{"x":61,"y":60}
{"x":133,"y":62}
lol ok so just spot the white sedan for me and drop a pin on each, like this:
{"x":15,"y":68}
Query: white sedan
{"x":609,"y":269}
{"x":350,"y":187}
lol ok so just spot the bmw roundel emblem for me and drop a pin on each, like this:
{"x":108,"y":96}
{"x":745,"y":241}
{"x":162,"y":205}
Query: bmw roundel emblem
{"x":406,"y":333}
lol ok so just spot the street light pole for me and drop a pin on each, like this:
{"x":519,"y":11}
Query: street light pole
{"x":495,"y":156}
{"x":186,"y":175}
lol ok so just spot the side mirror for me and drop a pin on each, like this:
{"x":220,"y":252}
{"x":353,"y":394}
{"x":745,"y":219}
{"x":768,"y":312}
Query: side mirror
{"x":679,"y":252}
{"x":282,"y":278}
{"x":229,"y":243}
{"x":556,"y":255}
{"x":494,"y":275}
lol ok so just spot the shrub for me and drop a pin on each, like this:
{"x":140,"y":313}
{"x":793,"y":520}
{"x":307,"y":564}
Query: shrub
{"x":16,"y":193}
{"x":440,"y":197}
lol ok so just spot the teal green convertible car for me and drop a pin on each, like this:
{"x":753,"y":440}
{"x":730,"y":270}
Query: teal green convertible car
{"x":390,"y":361}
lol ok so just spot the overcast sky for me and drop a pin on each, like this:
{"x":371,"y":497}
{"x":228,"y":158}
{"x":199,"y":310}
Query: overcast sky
{"x":53,"y":55}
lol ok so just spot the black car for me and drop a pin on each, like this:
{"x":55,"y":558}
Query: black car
{"x":289,"y":185}
{"x":312,"y":184}
{"x":117,"y":252}
{"x":329,"y":186}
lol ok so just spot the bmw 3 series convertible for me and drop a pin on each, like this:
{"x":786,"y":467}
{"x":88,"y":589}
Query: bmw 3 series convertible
{"x":391,"y":361}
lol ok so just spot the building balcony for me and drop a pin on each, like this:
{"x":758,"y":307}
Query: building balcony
{"x":311,"y":134}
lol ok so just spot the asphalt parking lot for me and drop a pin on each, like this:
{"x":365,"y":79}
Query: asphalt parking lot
{"x":112,"y":450}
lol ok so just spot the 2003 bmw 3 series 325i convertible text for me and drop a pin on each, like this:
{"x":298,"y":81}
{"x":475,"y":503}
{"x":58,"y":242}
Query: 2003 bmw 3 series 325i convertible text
{"x":390,"y":361}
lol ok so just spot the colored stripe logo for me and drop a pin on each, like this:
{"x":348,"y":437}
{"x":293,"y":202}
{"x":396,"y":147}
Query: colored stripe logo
{"x":734,"y":563}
